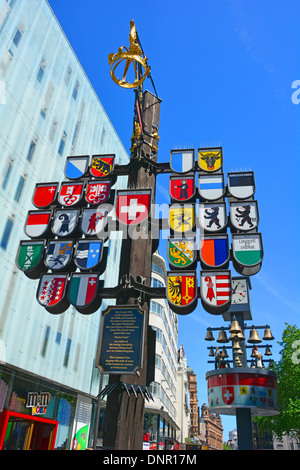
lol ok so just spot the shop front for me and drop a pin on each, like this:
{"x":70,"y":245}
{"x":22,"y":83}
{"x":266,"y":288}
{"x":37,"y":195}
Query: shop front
{"x":159,"y":431}
{"x":34,"y":414}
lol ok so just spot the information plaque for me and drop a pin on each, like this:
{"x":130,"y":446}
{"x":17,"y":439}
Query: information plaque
{"x":121,"y":340}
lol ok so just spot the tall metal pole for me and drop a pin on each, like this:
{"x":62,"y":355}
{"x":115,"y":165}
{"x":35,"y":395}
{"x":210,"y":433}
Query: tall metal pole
{"x":124,"y":415}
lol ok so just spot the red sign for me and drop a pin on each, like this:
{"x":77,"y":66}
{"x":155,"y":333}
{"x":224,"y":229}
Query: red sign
{"x":97,"y":192}
{"x":133,"y":207}
{"x":44,"y":195}
{"x":228,"y":395}
{"x":182,"y":189}
{"x":102,"y":165}
{"x":70,"y":194}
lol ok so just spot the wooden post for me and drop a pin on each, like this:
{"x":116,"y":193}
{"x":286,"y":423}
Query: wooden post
{"x":124,"y":415}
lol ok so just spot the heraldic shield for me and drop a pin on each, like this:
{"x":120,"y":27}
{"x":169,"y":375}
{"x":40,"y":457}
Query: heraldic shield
{"x":215,"y":291}
{"x":182,"y":188}
{"x":133,"y":206}
{"x":59,"y":254}
{"x":102,"y":165}
{"x":76,"y":167}
{"x":182,"y":161}
{"x":244,"y":216}
{"x":214,"y":251}
{"x":88,"y":253}
{"x":37,"y":223}
{"x":83,"y":292}
{"x":65,"y":222}
{"x":70,"y":194}
{"x":181,"y":252}
{"x":30,"y":258}
{"x":182,"y":218}
{"x":97,"y":192}
{"x":44,"y":195}
{"x":210,"y":159}
{"x":51,"y":292}
{"x":247,"y":250}
{"x":241,"y":185}
{"x":211,"y":187}
{"x":213,"y":217}
{"x":182,"y":291}
{"x":93,"y":221}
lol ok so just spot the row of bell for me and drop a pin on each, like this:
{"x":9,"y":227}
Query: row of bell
{"x":236,"y":331}
{"x":237,"y":349}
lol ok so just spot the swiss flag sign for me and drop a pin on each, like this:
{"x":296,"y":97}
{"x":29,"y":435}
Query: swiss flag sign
{"x":133,"y":207}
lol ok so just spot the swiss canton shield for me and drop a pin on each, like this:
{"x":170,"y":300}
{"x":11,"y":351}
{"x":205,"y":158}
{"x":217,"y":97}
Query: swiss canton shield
{"x":182,"y":161}
{"x":211,"y":187}
{"x":182,"y":291}
{"x":30,"y":256}
{"x":182,"y":188}
{"x":88,"y":253}
{"x":182,"y":217}
{"x":210,"y":159}
{"x":65,"y":222}
{"x":59,"y":254}
{"x":247,"y":252}
{"x":70,"y":194}
{"x":241,"y":185}
{"x":83,"y":292}
{"x":93,"y":221}
{"x":181,"y":252}
{"x":44,"y":195}
{"x":244,"y":215}
{"x":102,"y":165}
{"x":133,"y":207}
{"x":76,"y":167}
{"x":213,"y":217}
{"x":214,"y":251}
{"x":97,"y":192}
{"x":51,"y":292}
{"x":37,"y":223}
{"x":215,"y":291}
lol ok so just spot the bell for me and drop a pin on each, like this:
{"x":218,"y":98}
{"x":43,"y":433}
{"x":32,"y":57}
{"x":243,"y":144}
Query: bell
{"x":237,"y":361}
{"x":254,"y":338}
{"x":222,"y":337}
{"x":235,"y":327}
{"x":254,"y":353}
{"x":224,"y":353}
{"x":268,"y":351}
{"x":240,"y":336}
{"x":211,"y":352}
{"x":268,"y":335}
{"x":209,"y":336}
{"x":236,"y":345}
{"x":252,"y":365}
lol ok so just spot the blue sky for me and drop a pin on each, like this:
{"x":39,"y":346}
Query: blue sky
{"x":224,"y":70}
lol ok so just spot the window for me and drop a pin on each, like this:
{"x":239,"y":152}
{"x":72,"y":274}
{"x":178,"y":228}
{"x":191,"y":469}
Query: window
{"x":19,"y":188}
{"x":156,"y":283}
{"x":31,"y":149}
{"x":41,"y":71}
{"x":6,"y":233}
{"x":7,"y":174}
{"x":67,"y":353}
{"x":75,"y":90}
{"x":156,"y":308}
{"x":62,"y":143}
{"x":17,"y":37}
{"x":45,"y":343}
{"x":68,"y":75}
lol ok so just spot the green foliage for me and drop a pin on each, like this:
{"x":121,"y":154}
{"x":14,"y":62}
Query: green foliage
{"x":288,"y":386}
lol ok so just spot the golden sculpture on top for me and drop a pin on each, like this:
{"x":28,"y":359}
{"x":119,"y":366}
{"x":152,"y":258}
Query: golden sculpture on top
{"x":132,"y":55}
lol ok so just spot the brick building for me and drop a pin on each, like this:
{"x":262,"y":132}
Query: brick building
{"x":213,"y":429}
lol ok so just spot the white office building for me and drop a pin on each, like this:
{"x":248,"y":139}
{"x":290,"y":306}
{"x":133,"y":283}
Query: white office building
{"x":48,"y":110}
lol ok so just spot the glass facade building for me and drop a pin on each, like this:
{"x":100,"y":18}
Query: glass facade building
{"x":48,"y":111}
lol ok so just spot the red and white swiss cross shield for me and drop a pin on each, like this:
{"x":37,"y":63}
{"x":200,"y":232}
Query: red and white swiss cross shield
{"x":133,"y":207}
{"x":228,"y":395}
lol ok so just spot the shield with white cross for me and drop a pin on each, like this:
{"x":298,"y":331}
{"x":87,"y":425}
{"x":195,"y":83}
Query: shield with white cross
{"x":133,"y":207}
